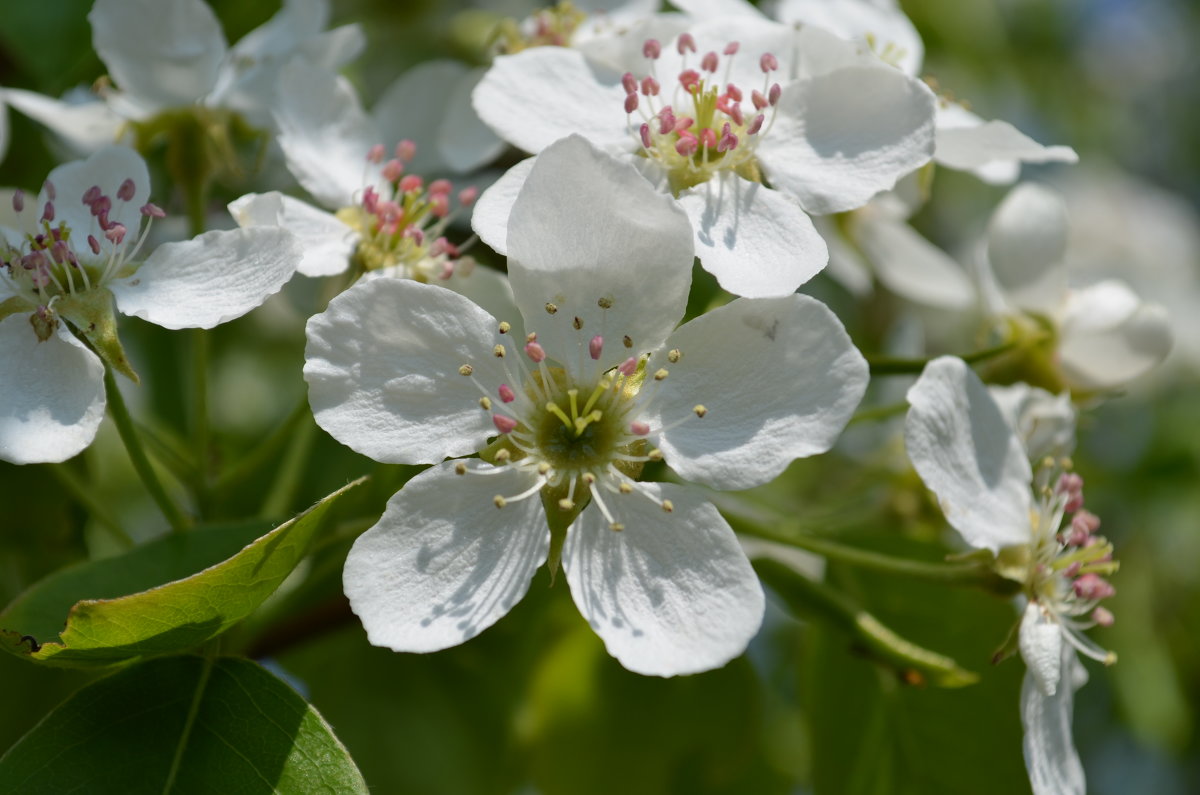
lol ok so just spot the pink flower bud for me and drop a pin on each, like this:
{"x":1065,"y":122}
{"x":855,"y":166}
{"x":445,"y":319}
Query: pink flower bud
{"x":686,"y":43}
{"x":126,"y":191}
{"x":506,"y":393}
{"x":652,"y":49}
{"x":503,"y":424}
{"x":595,"y":346}
{"x":768,"y":62}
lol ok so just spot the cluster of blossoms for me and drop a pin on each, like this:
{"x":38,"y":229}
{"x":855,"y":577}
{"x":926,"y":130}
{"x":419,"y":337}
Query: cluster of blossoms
{"x":558,"y":404}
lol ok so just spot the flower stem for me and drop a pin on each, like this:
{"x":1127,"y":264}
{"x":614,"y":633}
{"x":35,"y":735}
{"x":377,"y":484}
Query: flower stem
{"x":890,"y":365}
{"x":94,"y":507}
{"x":201,"y":440}
{"x":137,"y":454}
{"x":291,"y":469}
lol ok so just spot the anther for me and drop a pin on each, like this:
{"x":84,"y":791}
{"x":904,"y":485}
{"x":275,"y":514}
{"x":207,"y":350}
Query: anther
{"x":18,"y":200}
{"x":393,"y":170}
{"x":375,"y":153}
{"x":93,"y":244}
{"x":531,"y":336}
{"x":699,"y":410}
{"x":499,"y":501}
{"x":125,"y":192}
{"x":773,"y":94}
{"x":650,"y":86}
{"x":503,"y":456}
{"x":151,"y":210}
{"x":48,"y":210}
{"x":1103,"y":616}
{"x":466,"y":369}
{"x":668,"y":506}
{"x":629,"y":366}
{"x":652,"y":49}
{"x":709,"y":62}
{"x":565,"y":504}
{"x":543,"y":468}
{"x":627,"y":341}
{"x":577,"y":323}
{"x":604,"y":302}
{"x":756,"y":125}
{"x":661,"y":373}
{"x":629,"y":82}
{"x":535,"y":352}
{"x":411,"y":183}
{"x":506,"y":393}
{"x":406,"y":150}
{"x":505,"y":327}
{"x":731,"y":48}
{"x":1092,"y":586}
{"x":498,"y":351}
{"x":768,"y":63}
{"x":588,"y":478}
{"x":616,"y":527}
{"x":625,"y":488}
{"x":460,"y":468}
{"x":639,"y":428}
{"x":595,"y":347}
{"x":51,"y":193}
{"x":655,"y":455}
{"x":503,"y":424}
{"x":468,"y":195}
{"x":685,"y":44}
{"x":551,"y":308}
{"x":644,"y":132}
{"x":631,"y":102}
{"x":485,"y":403}
{"x":673,"y":355}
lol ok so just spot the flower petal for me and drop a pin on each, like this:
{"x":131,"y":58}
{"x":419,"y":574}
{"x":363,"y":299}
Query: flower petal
{"x":883,"y":29}
{"x":211,"y":279}
{"x":443,"y":563}
{"x":1044,"y":422}
{"x":909,"y":265}
{"x":672,"y":593}
{"x":382,"y":366}
{"x":756,"y":241}
{"x":779,"y":378}
{"x":324,"y":133}
{"x":84,"y":126}
{"x":107,"y":168}
{"x":161,"y":53}
{"x":533,"y":98}
{"x":587,"y":229}
{"x":1050,"y":755}
{"x":494,"y":206}
{"x":841,"y":137}
{"x":52,"y":394}
{"x":968,"y":456}
{"x":413,"y":107}
{"x":325,"y":241}
{"x":464,"y":141}
{"x":992,"y":150}
{"x":1026,"y":242}
{"x":1109,"y":337}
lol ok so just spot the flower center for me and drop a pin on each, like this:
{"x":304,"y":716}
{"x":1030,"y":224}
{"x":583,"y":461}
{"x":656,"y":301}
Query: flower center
{"x":50,"y":264}
{"x":548,"y":27}
{"x":402,"y":224}
{"x":705,"y":129}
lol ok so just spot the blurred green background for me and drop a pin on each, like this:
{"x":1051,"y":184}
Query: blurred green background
{"x":534,"y":704}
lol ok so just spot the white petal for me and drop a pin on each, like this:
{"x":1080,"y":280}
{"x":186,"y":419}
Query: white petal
{"x":966,"y":142}
{"x":52,"y":394}
{"x":718,"y":8}
{"x":842,"y":137}
{"x":494,"y":205}
{"x":83,"y":127}
{"x":1040,"y":639}
{"x":413,"y":107}
{"x":163,"y":52}
{"x":1050,"y":755}
{"x":464,"y":141}
{"x":443,"y":563}
{"x":539,"y":95}
{"x":382,"y":366}
{"x":586,"y":228}
{"x":909,"y":265}
{"x":326,"y":242}
{"x":672,"y":593}
{"x":846,"y":264}
{"x":324,"y":133}
{"x":1027,"y":238}
{"x":107,"y":168}
{"x":756,"y":241}
{"x":1044,"y":422}
{"x":209,"y":280}
{"x":1109,"y":337}
{"x":779,"y":377}
{"x":968,"y":456}
{"x":886,"y":30}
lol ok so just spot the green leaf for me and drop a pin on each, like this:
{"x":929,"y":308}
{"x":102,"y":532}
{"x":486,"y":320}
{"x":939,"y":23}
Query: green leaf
{"x":182,"y":725}
{"x":106,"y":626}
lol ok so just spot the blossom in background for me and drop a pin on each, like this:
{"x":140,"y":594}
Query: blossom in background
{"x":749,"y":136}
{"x":966,"y":452}
{"x":171,"y":55}
{"x":602,"y":385}
{"x":73,"y":252}
{"x":1101,"y":335}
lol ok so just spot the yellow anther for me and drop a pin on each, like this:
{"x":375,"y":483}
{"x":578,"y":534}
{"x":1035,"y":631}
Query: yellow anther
{"x":503,"y":456}
{"x":543,"y":468}
{"x":531,"y":336}
{"x":1048,"y":462}
{"x":565,"y":505}
{"x":605,"y":303}
{"x":673,"y":355}
{"x":625,"y":488}
{"x":700,"y":410}
{"x":627,"y":341}
{"x":577,"y":323}
{"x":498,"y":351}
{"x":551,"y":308}
{"x":460,"y":468}
{"x":499,"y":501}
{"x":505,"y":327}
{"x":655,"y":455}
{"x":588,"y":478}
{"x":485,"y":403}
{"x":1066,"y":463}
{"x":661,"y":374}
{"x":617,"y":526}
{"x":466,"y":369}
{"x":668,"y":506}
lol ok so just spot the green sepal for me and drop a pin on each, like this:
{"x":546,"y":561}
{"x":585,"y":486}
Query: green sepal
{"x":559,"y":520}
{"x":1032,"y":359}
{"x":13,"y":305}
{"x":1011,"y":644}
{"x":91,"y":313}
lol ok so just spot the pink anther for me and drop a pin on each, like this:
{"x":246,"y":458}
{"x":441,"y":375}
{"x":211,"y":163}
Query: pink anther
{"x":151,"y":210}
{"x":768,"y":62}
{"x":126,"y":191}
{"x":631,"y":103}
{"x":629,"y":82}
{"x":506,"y":393}
{"x":1093,"y":586}
{"x":406,"y":150}
{"x":535,"y":352}
{"x":709,"y":62}
{"x":731,"y":48}
{"x":628,"y":367}
{"x":503,"y":424}
{"x":595,"y":346}
{"x":639,"y":428}
{"x":393,"y":170}
{"x":686,"y":43}
{"x":410,"y":183}
{"x":650,"y":86}
{"x":652,"y":49}
{"x":376,"y":153}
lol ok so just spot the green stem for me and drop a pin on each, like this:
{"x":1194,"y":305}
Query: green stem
{"x":968,"y":574}
{"x":266,"y":451}
{"x":85,"y":498}
{"x":291,"y":469}
{"x":167,"y":452}
{"x":877,"y":413}
{"x":890,"y":365}
{"x":137,"y":454}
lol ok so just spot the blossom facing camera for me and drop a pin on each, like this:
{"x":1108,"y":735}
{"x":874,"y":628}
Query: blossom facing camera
{"x":567,"y":417}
